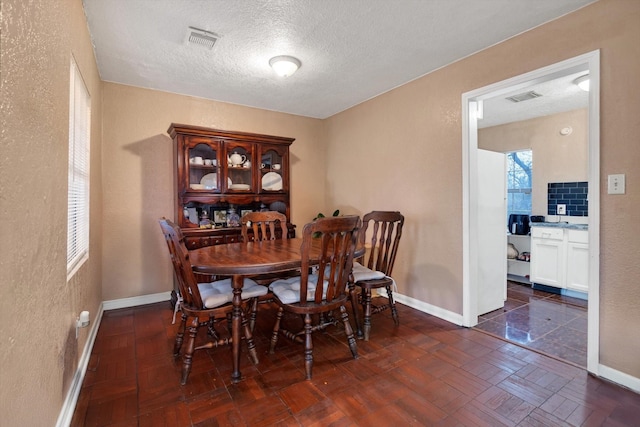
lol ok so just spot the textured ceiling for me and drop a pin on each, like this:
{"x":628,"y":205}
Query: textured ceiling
{"x":557,"y":95}
{"x":351,"y":50}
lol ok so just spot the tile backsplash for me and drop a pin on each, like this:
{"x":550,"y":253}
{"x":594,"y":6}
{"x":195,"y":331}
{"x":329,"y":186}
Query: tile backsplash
{"x":573,"y":194}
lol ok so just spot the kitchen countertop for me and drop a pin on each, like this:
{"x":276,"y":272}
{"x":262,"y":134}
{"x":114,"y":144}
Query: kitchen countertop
{"x":560,"y":225}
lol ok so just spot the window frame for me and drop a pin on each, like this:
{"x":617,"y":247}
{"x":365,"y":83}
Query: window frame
{"x":519,"y":190}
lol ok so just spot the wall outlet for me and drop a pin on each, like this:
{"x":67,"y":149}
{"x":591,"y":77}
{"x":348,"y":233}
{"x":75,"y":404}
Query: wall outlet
{"x":561,"y":209}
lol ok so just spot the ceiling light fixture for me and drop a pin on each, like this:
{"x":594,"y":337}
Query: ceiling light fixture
{"x":583,"y":82}
{"x":284,"y":65}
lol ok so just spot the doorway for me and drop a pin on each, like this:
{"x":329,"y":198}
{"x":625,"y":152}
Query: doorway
{"x":472,"y":110}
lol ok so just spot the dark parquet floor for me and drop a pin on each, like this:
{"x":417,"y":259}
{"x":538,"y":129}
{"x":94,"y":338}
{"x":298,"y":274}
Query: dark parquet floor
{"x":424,"y":372}
{"x":553,"y":324}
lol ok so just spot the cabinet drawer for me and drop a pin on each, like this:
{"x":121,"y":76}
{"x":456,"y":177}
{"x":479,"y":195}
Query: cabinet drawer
{"x":201,"y":242}
{"x":547,"y":233}
{"x":232,"y":238}
{"x":578,"y":236}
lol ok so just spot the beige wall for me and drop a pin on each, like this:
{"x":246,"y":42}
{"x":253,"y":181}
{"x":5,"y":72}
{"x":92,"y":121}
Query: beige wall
{"x":138,"y":176}
{"x":556,"y":157}
{"x":39,"y":352}
{"x":402,"y":150}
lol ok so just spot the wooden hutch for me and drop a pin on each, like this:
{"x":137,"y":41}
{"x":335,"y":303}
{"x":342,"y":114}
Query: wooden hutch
{"x":220,"y":174}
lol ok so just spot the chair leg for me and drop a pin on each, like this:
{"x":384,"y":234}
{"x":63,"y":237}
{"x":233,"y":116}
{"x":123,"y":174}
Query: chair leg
{"x":366,"y":305}
{"x":276,"y":330}
{"x":351,"y":340}
{"x":188,"y":354}
{"x":308,"y":346}
{"x":249,"y":339}
{"x":254,"y":314}
{"x":392,"y":305}
{"x":353,"y":293}
{"x":180,"y":335}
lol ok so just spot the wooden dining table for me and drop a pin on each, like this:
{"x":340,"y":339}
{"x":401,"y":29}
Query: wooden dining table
{"x":240,"y":260}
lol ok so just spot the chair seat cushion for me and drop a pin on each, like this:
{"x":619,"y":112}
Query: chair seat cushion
{"x":360,"y":273}
{"x":220,"y":292}
{"x":288,"y":290}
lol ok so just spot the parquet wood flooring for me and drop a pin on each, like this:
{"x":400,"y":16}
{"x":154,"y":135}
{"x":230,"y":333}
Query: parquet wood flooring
{"x":424,"y":372}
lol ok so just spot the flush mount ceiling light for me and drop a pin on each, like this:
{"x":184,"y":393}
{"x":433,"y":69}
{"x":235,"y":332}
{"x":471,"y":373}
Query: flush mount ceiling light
{"x":284,"y":65}
{"x":583,"y":82}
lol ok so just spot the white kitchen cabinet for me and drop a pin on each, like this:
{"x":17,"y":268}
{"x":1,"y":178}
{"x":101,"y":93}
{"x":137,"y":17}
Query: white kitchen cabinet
{"x":577,"y":260}
{"x":518,"y":270}
{"x":560,"y":258}
{"x":547,"y":256}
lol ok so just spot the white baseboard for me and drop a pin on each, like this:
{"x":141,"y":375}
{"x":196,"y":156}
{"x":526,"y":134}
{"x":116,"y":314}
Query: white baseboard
{"x":135,"y":301}
{"x":69,"y":405}
{"x":620,"y":378}
{"x":424,"y":307}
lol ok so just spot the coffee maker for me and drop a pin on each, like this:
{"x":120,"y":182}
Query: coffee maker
{"x":519,"y":224}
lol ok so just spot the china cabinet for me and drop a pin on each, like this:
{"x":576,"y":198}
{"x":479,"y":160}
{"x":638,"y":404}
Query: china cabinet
{"x":221,"y":175}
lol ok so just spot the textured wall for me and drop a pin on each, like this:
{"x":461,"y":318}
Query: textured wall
{"x":138,"y":176}
{"x":556,"y":158}
{"x":402,"y":150}
{"x":39,"y":352}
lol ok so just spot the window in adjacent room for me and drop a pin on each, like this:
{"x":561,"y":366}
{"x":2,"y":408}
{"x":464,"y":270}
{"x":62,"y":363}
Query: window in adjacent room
{"x":78,"y":190}
{"x":519,"y":170}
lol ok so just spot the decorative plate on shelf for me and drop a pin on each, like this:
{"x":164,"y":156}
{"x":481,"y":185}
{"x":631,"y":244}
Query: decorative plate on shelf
{"x":272,"y":181}
{"x":239,"y":187}
{"x":210,"y":181}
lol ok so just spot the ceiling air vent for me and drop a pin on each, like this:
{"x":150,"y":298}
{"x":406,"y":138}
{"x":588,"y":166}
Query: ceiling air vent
{"x":202,"y":37}
{"x":523,"y":96}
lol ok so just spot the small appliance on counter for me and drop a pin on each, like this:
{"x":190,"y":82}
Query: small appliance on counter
{"x":519,"y":224}
{"x":537,"y":218}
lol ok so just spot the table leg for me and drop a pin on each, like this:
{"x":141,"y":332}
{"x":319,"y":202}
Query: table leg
{"x":236,"y":325}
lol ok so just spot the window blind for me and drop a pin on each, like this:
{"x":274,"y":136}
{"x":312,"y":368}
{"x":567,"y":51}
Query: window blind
{"x":78,"y":173}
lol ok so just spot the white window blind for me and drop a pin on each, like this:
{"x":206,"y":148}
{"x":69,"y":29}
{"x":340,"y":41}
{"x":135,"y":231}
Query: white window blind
{"x":78,"y":191}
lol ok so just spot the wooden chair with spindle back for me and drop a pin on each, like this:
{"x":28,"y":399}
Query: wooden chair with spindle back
{"x":316,"y":296}
{"x":384,"y":229}
{"x":204,"y":304}
{"x":269,"y":225}
{"x":261,"y":226}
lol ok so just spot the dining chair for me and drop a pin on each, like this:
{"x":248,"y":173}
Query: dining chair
{"x":261,"y":226}
{"x":316,"y":296}
{"x":381,"y":231}
{"x":204,"y":304}
{"x":269,"y":225}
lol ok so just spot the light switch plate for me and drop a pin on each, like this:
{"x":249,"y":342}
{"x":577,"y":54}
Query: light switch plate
{"x":615,"y":184}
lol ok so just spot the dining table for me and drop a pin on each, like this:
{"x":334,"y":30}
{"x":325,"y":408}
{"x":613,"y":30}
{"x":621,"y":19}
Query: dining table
{"x":240,"y":260}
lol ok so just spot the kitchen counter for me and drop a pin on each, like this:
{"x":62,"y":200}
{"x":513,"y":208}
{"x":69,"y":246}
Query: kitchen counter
{"x":560,"y":225}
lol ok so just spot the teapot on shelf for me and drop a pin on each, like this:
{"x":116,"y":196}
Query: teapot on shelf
{"x":236,"y":159}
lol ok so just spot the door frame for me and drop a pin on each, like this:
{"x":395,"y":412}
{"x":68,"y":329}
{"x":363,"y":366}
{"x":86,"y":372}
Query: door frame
{"x":471,"y":110}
